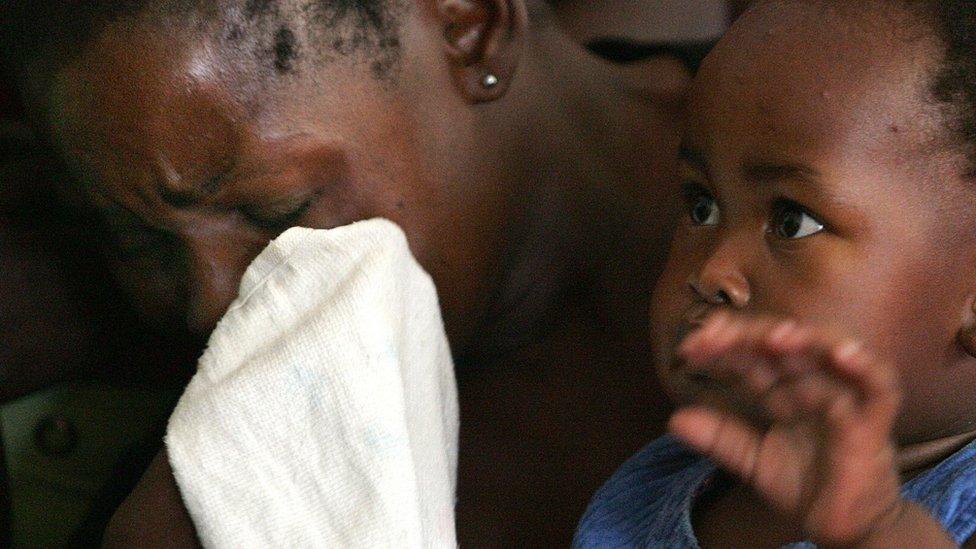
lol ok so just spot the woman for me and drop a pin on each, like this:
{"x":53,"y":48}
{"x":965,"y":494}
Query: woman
{"x":522,"y":168}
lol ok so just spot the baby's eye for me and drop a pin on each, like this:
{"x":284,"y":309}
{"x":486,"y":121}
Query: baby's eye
{"x":702,"y":208}
{"x":791,"y":221}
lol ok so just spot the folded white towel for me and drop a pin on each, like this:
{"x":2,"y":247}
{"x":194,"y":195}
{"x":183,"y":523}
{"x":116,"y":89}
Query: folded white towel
{"x":324,"y":411}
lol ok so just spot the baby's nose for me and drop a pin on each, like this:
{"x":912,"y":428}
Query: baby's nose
{"x":721,"y":282}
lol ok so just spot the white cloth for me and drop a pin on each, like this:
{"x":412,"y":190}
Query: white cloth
{"x":324,"y":411}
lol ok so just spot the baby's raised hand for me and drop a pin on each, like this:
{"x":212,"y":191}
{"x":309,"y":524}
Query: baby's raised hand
{"x":803,"y":418}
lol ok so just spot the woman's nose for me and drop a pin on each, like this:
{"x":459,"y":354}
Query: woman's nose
{"x":721,"y":281}
{"x":216,"y":265}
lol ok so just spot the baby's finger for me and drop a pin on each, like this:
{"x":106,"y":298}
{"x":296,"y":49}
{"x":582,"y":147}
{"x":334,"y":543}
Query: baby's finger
{"x":741,"y":374}
{"x":707,"y":342}
{"x":790,"y":338}
{"x":729,"y":441}
{"x":723,"y":331}
{"x":780,"y":403}
{"x":800,"y":350}
{"x":806,"y":360}
{"x":875,"y":380}
{"x":801,"y":386}
{"x":764,"y":390}
{"x":817,"y":394}
{"x":760,"y":378}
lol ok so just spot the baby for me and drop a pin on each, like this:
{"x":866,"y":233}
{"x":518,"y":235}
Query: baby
{"x":816,"y":322}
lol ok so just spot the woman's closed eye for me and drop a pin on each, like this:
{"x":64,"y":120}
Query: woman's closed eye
{"x":140,"y":244}
{"x":278,"y":216}
{"x":791,"y":221}
{"x":128,"y":239}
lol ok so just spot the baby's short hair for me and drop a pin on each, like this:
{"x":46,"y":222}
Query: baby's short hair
{"x":955,"y":83}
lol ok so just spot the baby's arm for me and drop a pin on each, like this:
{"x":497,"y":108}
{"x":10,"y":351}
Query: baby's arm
{"x":808,"y":426}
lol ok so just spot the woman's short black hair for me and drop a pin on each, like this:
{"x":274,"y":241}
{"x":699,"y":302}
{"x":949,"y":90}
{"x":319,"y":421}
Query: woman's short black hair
{"x":272,"y":27}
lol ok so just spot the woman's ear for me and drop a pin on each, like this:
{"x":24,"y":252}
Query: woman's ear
{"x":967,"y":329}
{"x":483,"y":40}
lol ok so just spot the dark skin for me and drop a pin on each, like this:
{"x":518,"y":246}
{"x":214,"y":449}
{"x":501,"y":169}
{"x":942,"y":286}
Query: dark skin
{"x":31,"y":260}
{"x":62,"y":319}
{"x":814,"y":271}
{"x":536,"y":217}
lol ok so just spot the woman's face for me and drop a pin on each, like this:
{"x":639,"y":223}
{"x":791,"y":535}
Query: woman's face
{"x":60,"y":316}
{"x":195,"y":164}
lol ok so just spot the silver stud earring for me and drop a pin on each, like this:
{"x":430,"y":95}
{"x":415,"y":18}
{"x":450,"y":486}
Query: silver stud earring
{"x":489,"y":81}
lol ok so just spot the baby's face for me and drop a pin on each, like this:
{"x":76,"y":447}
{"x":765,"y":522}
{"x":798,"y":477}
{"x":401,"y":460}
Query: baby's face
{"x":820,"y":185}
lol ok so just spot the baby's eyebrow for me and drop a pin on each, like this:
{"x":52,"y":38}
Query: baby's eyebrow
{"x":767,"y":172}
{"x":694,"y":157}
{"x":756,"y":171}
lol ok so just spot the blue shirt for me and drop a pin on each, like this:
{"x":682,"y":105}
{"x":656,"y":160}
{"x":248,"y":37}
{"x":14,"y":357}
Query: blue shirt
{"x":648,"y":501}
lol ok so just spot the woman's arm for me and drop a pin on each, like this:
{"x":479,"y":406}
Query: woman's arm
{"x":154,"y":514}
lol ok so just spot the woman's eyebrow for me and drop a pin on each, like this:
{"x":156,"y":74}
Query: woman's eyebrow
{"x":117,"y":215}
{"x":187,"y":196}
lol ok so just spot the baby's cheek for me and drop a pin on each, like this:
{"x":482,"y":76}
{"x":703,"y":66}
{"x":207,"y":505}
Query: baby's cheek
{"x":668,"y":302}
{"x":671,"y":290}
{"x":669,"y":305}
{"x":932,"y":408}
{"x":931,"y":377}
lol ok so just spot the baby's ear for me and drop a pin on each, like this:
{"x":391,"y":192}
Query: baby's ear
{"x":967,"y":330}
